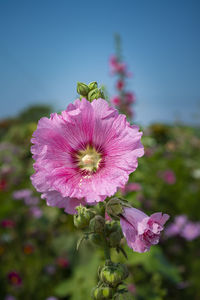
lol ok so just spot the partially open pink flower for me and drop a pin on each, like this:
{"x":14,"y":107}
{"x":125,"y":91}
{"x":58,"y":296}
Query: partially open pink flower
{"x":140,"y":230}
{"x":84,"y":154}
{"x":129,"y":98}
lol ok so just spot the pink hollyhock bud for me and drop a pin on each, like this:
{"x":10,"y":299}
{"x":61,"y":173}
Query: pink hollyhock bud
{"x":140,"y":230}
{"x":120,"y":85}
{"x":116,"y":100}
{"x":3,"y":184}
{"x":14,"y":278}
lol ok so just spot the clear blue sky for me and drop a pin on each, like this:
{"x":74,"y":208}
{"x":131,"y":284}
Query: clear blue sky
{"x":46,"y":46}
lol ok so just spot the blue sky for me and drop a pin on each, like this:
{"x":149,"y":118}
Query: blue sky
{"x":46,"y":46}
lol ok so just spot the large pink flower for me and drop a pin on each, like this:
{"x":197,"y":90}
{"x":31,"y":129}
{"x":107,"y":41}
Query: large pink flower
{"x":140,"y":230}
{"x":84,"y":154}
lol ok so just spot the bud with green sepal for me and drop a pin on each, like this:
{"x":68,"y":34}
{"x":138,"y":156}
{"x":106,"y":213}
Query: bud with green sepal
{"x":97,"y":224}
{"x":82,"y":219}
{"x":100,"y":209}
{"x":114,"y":207}
{"x":102,"y":293}
{"x":97,"y":239}
{"x":95,"y":94}
{"x":82,"y":89}
{"x":92,"y":85}
{"x":113,"y":274}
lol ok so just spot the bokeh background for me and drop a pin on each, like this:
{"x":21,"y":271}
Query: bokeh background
{"x":45,"y":48}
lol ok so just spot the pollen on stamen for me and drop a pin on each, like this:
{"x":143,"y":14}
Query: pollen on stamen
{"x":89,"y":159}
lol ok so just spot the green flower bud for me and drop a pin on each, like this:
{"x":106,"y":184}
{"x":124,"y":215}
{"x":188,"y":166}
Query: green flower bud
{"x":82,"y":219}
{"x":82,"y":89}
{"x":102,"y":293}
{"x":97,"y":224}
{"x":114,"y":208}
{"x":94,"y":94}
{"x":112,"y":226}
{"x":100,"y":209}
{"x":96,"y":239}
{"x":115,"y":239}
{"x":114,"y":274}
{"x":92,"y":85}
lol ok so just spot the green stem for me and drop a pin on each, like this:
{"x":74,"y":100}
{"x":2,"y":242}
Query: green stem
{"x":107,"y":251}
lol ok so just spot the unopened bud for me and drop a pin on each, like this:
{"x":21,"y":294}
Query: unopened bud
{"x":82,"y":219}
{"x":95,"y":94}
{"x":113,"y":274}
{"x":100,"y":209}
{"x":82,"y":89}
{"x":115,"y":239}
{"x":114,"y":208}
{"x":102,"y":293}
{"x":96,"y":239}
{"x":97,"y":224}
{"x":92,"y":85}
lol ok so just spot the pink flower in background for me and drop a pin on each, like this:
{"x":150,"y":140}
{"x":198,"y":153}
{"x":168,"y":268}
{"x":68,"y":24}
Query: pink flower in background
{"x":62,"y":262}
{"x":140,"y":230}
{"x":131,"y":187}
{"x":169,"y":177}
{"x":176,"y":227}
{"x":129,"y":98}
{"x":21,"y":194}
{"x":35,"y":212}
{"x":184,"y":228}
{"x":116,"y":66}
{"x":8,"y":223}
{"x":120,"y":85}
{"x":9,"y":297}
{"x":84,"y":154}
{"x":14,"y":278}
{"x":116,"y":100}
{"x":132,"y":288}
{"x":191,"y":231}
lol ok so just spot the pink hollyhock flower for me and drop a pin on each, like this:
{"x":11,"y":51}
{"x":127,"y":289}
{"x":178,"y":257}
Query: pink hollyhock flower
{"x":120,"y":85}
{"x":116,"y":100}
{"x":84,"y":154}
{"x":140,"y":230}
{"x":14,"y":278}
{"x":116,"y":66}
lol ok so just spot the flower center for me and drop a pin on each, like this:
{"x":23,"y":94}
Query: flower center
{"x":89,"y":159}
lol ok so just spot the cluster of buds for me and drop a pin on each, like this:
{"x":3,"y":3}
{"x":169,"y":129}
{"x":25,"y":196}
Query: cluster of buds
{"x":89,"y":91}
{"x":124,"y":99}
{"x":111,"y":276}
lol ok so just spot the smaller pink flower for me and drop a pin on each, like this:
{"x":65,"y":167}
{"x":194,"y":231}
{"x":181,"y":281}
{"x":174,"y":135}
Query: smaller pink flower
{"x":191,"y":231}
{"x":140,"y":230}
{"x":116,"y":100}
{"x":120,"y":85}
{"x":62,"y":262}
